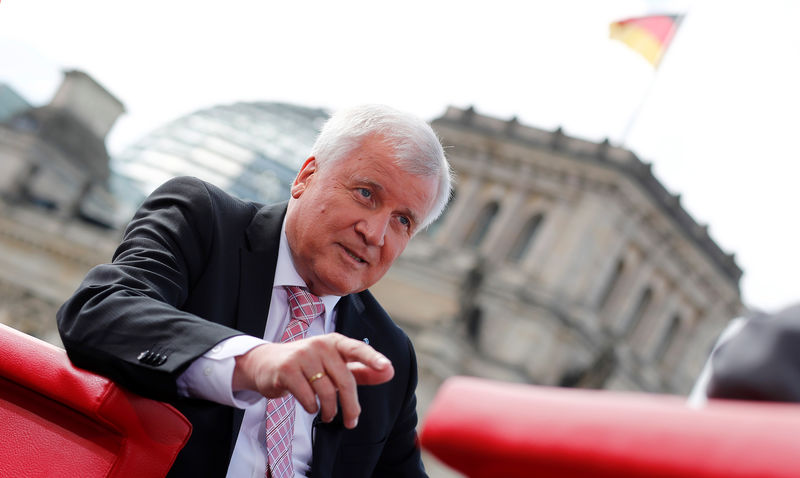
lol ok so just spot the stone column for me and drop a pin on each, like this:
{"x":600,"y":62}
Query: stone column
{"x":552,"y":231}
{"x":621,"y":289}
{"x":506,"y":226}
{"x":641,"y":335}
{"x":633,"y":284}
{"x":463,"y":211}
{"x":662,"y":319}
{"x":675,"y":366}
{"x":593,"y":279}
{"x":576,"y":268}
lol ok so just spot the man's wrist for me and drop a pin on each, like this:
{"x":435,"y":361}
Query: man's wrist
{"x":210,"y":376}
{"x":243,"y":378}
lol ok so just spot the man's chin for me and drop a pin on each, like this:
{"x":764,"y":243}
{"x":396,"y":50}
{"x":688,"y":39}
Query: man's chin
{"x":337,"y":287}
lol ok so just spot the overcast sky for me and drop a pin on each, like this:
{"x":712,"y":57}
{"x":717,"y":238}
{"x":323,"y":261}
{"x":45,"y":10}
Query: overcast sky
{"x":719,"y":119}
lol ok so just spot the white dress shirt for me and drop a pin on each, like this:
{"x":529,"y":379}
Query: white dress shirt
{"x":210,"y":377}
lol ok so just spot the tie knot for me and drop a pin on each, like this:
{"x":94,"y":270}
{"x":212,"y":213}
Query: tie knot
{"x":303,"y":304}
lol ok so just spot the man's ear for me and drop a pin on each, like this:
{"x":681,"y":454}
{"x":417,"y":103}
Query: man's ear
{"x":304,"y":177}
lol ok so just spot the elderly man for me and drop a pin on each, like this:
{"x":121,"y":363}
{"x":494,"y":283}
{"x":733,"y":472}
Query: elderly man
{"x":234,"y":311}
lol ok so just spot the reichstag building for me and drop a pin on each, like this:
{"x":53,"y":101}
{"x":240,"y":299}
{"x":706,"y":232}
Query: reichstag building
{"x":559,"y":261}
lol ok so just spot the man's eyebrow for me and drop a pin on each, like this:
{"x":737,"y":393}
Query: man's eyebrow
{"x":377,"y":187}
{"x":369,"y":182}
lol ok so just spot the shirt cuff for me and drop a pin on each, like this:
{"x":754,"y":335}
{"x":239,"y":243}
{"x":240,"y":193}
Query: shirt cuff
{"x":210,"y":376}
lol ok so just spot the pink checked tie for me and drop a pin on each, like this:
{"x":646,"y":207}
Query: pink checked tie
{"x":303,"y":308}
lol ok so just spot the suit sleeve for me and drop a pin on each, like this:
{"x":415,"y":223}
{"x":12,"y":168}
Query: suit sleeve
{"x":760,"y":362}
{"x":125,"y":321}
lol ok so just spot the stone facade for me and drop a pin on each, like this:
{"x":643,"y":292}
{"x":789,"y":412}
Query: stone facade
{"x":57,"y":216}
{"x":43,"y":258}
{"x":558,"y":262}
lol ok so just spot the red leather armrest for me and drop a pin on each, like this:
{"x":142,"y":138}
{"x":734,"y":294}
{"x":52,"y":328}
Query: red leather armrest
{"x":488,"y":429}
{"x":58,"y":420}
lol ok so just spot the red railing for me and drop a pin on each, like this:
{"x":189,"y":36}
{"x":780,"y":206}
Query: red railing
{"x":487,"y":429}
{"x":60,"y":421}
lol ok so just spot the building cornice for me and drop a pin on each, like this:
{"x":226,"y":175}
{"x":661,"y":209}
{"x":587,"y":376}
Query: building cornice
{"x":601,"y":154}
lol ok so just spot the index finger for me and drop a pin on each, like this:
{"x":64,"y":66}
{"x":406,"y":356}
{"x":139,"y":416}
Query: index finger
{"x":362,"y":365}
{"x":353,"y":350}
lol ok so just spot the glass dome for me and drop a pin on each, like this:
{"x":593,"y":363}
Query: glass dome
{"x":252,"y":150}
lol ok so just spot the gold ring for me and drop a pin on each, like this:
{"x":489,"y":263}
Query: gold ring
{"x":316,"y":377}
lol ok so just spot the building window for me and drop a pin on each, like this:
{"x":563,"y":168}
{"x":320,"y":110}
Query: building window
{"x":525,"y":239}
{"x":640,"y":311}
{"x":480,"y":227}
{"x":668,"y":337}
{"x":611,"y":284}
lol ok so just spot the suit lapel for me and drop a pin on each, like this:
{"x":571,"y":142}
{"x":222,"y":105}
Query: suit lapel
{"x":257,"y":261}
{"x":350,"y":320}
{"x":254,"y":291}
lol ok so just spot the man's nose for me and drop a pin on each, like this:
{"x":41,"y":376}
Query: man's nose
{"x":373,"y":228}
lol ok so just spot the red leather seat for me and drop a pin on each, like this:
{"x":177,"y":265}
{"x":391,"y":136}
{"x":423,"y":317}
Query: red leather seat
{"x":60,"y":421}
{"x":490,"y":429}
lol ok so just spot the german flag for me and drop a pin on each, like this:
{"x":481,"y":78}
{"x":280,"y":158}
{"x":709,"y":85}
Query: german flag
{"x":650,"y":35}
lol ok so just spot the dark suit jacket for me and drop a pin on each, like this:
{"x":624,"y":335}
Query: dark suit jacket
{"x":761,"y":361}
{"x":195,"y":267}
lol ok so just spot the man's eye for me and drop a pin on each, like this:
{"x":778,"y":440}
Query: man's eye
{"x":365,"y":192}
{"x":404,"y":221}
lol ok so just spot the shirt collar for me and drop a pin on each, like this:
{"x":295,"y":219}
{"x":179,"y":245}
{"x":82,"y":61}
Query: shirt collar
{"x":286,"y":274}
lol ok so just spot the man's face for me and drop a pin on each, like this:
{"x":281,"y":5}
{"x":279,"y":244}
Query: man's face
{"x":348,"y":222}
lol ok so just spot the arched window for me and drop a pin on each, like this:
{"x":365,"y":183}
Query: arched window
{"x":639,"y":311}
{"x":480,"y":227}
{"x":611,"y":283}
{"x":525,"y":239}
{"x":669,"y":336}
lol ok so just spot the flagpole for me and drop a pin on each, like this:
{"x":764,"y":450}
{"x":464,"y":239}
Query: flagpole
{"x":640,"y":106}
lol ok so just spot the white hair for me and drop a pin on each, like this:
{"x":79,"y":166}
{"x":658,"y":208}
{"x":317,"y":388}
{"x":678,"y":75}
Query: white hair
{"x":416,"y":147}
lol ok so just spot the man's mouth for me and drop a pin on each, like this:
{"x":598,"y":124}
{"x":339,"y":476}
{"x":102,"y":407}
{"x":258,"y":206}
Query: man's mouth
{"x":355,"y":257}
